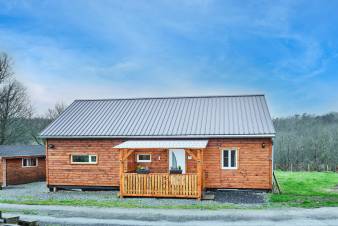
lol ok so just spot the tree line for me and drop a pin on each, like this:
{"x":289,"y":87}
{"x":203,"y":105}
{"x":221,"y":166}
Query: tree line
{"x":18,"y":122}
{"x":306,"y":142}
{"x":303,"y":142}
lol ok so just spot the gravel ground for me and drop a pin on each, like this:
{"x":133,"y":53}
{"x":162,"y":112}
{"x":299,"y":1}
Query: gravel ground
{"x":240,"y":196}
{"x":39,"y":191}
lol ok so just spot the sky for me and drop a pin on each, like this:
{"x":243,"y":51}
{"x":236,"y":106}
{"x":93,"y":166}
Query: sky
{"x":65,"y":50}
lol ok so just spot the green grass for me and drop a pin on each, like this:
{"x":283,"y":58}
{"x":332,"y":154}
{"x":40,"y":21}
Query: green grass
{"x":306,"y":189}
{"x":117,"y":203}
{"x":299,"y":189}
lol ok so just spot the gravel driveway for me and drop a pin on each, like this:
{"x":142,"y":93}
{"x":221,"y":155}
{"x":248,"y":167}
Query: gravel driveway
{"x":39,"y":191}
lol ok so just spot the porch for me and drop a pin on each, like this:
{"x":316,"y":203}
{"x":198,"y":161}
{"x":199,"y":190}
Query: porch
{"x":159,"y":180}
{"x":160,"y":185}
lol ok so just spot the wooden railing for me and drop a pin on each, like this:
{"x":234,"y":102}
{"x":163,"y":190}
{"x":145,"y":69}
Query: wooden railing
{"x":160,"y":185}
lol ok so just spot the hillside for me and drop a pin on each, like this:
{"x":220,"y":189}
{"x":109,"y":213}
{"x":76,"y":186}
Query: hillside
{"x":307,"y":141}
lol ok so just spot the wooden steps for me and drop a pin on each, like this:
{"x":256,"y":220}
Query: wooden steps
{"x":8,"y":221}
{"x":208,"y":196}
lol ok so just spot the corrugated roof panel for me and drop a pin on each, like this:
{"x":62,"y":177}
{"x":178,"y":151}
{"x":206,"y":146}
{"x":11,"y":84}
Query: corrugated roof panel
{"x":164,"y":117}
{"x":9,"y":151}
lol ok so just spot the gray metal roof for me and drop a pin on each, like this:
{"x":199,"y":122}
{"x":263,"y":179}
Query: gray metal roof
{"x":193,"y":144}
{"x":21,"y":150}
{"x":193,"y":117}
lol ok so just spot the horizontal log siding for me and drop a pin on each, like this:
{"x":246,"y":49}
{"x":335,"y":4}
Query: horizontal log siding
{"x":159,"y":161}
{"x":16,"y":174}
{"x":254,"y":169}
{"x":191,"y":164}
{"x":254,"y":164}
{"x":62,"y":172}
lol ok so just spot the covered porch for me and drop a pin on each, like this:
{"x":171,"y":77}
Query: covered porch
{"x":161,"y":168}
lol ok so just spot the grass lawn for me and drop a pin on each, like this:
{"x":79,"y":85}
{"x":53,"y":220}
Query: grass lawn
{"x":107,"y":204}
{"x":299,"y":189}
{"x":306,"y":189}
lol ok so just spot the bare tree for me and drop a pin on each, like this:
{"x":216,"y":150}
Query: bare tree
{"x":14,"y":109}
{"x":5,"y":67}
{"x":56,"y":111}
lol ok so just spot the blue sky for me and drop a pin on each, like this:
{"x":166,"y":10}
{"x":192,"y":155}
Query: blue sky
{"x":66,"y":50}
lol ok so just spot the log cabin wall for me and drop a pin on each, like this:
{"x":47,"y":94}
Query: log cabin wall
{"x":254,"y":163}
{"x":62,"y":172}
{"x":159,"y":161}
{"x":17,"y":174}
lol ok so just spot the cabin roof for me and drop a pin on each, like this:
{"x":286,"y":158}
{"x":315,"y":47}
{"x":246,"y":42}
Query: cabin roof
{"x":165,"y":117}
{"x":8,"y":151}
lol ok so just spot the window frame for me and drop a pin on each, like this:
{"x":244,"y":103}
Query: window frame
{"x":23,"y":159}
{"x":143,"y":161}
{"x":84,"y":163}
{"x":229,"y":158}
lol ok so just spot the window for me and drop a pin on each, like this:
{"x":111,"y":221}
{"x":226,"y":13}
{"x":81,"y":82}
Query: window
{"x":29,"y":162}
{"x":229,"y":158}
{"x":84,"y":159}
{"x":143,"y":158}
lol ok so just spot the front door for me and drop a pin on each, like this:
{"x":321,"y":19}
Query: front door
{"x":177,"y":159}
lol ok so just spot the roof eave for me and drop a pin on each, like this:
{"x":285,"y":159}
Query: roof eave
{"x":22,"y":156}
{"x":164,"y":137}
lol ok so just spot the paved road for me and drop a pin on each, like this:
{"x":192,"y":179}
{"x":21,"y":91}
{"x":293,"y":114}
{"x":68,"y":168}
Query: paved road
{"x":65,"y":215}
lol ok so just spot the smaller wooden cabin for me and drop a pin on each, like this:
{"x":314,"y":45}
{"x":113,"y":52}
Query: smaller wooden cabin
{"x":21,"y":164}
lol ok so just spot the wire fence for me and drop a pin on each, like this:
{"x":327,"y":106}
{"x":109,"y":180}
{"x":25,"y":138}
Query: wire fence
{"x":306,"y":167}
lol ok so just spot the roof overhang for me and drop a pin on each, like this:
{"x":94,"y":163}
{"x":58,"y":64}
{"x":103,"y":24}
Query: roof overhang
{"x":145,"y":144}
{"x":163,"y":137}
{"x":23,"y":156}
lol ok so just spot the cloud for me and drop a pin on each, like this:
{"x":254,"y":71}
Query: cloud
{"x":105,"y":49}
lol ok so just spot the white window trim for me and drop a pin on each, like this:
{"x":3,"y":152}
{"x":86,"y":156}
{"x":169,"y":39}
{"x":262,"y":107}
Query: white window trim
{"x":139,"y":160}
{"x":36,"y":159}
{"x":229,"y":159}
{"x":81,"y":163}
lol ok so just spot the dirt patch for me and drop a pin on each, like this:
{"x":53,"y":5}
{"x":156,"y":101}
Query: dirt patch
{"x":335,"y":189}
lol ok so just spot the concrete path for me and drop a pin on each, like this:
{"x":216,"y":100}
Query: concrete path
{"x":66,"y":215}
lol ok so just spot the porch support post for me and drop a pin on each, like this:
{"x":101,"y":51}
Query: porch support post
{"x":199,"y":173}
{"x":3,"y":183}
{"x":121,"y":172}
{"x":194,"y":157}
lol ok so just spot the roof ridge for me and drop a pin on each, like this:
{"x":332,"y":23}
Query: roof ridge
{"x":171,"y":97}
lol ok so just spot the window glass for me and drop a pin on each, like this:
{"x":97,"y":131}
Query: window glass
{"x":80,"y":158}
{"x":233,"y":158}
{"x":29,"y":162}
{"x":93,"y":158}
{"x":225,"y":158}
{"x":144,"y":158}
{"x":229,"y":158}
{"x":90,"y":159}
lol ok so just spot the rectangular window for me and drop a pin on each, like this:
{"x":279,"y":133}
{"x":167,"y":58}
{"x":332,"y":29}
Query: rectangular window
{"x":143,"y":157}
{"x":83,"y":159}
{"x":229,"y":159}
{"x":29,"y":162}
